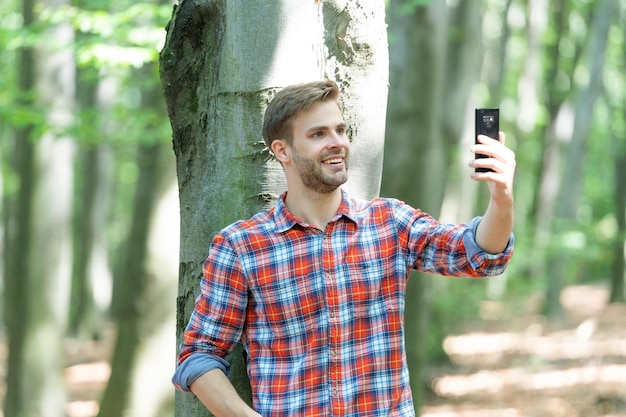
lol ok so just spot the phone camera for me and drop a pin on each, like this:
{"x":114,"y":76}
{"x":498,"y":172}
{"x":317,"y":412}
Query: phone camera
{"x":489,"y":120}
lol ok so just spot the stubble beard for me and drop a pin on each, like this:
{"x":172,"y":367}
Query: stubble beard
{"x":315,"y":179}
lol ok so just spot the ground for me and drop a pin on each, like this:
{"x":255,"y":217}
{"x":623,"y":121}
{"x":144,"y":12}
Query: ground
{"x":510,"y":363}
{"x":514,"y":363}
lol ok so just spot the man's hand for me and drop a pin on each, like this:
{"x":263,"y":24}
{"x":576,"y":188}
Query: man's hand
{"x":501,"y":160}
{"x":495,"y":228}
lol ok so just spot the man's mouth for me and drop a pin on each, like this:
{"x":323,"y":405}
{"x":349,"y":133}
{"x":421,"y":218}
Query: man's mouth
{"x":333,"y":161}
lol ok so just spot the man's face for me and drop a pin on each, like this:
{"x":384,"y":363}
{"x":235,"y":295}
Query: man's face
{"x":321,"y":147}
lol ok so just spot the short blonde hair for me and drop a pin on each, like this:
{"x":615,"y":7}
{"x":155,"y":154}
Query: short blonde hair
{"x":291,"y":100}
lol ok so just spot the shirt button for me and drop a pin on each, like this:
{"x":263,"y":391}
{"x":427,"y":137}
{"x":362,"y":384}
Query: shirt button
{"x":333,"y":353}
{"x":335,"y":392}
{"x":332,"y":314}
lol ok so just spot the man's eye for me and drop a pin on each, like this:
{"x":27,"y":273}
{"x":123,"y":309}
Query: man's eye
{"x":341,"y":131}
{"x":318,"y":134}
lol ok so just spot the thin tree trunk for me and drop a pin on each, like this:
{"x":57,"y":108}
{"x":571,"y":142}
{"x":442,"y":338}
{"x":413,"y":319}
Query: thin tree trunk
{"x":41,"y":260}
{"x":618,"y":270}
{"x":463,"y":68}
{"x":415,"y":167}
{"x":216,"y":101}
{"x":17,"y":237}
{"x":147,"y":278}
{"x":569,"y":191}
{"x":92,"y":276}
{"x":548,"y":175}
{"x":131,"y":299}
{"x":618,"y":264}
{"x":91,"y":281}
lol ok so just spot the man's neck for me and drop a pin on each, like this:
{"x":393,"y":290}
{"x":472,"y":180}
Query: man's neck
{"x":314,"y":208}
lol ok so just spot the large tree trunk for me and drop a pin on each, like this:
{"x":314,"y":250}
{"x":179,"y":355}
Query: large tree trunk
{"x":216,"y":98}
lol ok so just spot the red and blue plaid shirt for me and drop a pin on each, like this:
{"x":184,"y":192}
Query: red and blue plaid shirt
{"x":320,"y":312}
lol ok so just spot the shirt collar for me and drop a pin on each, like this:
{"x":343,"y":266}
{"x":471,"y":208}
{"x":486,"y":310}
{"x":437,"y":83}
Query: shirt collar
{"x":285,"y":219}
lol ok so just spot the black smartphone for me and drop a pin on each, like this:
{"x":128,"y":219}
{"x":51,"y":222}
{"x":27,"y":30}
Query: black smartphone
{"x":488,"y":124}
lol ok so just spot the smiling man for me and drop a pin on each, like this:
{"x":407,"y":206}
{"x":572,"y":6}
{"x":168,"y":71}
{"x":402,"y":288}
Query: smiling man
{"x":315,"y":286}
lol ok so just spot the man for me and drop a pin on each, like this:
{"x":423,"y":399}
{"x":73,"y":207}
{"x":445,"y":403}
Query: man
{"x":314,"y":287}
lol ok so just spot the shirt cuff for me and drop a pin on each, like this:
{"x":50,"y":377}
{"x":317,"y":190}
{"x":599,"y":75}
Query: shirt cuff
{"x":196,"y":365}
{"x":472,"y":248}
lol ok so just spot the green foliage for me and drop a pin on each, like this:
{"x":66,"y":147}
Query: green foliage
{"x":110,"y":44}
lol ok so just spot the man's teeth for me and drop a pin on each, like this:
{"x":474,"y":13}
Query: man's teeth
{"x":333,"y":161}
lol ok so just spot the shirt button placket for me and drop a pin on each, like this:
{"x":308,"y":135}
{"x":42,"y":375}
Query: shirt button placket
{"x":331,"y":302}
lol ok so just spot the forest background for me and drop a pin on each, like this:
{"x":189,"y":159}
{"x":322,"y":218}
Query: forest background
{"x":90,"y":208}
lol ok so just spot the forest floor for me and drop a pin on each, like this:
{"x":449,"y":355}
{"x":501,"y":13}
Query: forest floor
{"x":514,"y":363}
{"x":510,"y":363}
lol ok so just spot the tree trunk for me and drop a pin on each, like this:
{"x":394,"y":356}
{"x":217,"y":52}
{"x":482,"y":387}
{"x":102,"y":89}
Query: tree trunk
{"x":91,"y":281}
{"x":618,"y":266}
{"x":434,"y":64}
{"x":216,"y":101}
{"x":17,"y":237}
{"x":463,"y":67}
{"x":137,"y":387}
{"x":569,"y":191}
{"x":415,"y":156}
{"x":548,"y":175}
{"x":41,"y":261}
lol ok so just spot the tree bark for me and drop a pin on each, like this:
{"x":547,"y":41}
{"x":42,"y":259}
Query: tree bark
{"x":216,"y":101}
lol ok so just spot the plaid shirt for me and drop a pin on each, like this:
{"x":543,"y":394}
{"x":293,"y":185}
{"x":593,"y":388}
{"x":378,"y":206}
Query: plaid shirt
{"x":320,"y":312}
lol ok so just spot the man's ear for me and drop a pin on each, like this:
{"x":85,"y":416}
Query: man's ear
{"x":279,"y":149}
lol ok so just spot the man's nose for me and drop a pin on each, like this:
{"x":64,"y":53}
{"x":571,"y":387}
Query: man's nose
{"x":338,"y":139}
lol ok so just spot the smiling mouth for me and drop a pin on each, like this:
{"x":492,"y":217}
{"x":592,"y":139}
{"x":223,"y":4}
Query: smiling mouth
{"x":333,"y":161}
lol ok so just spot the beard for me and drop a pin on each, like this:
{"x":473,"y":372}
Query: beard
{"x":313,"y":176}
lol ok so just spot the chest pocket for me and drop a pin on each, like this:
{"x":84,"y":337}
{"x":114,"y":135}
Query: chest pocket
{"x":366,"y":287}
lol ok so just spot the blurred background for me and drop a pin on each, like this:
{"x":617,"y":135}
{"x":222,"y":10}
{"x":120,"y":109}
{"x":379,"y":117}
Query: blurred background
{"x":90,"y":211}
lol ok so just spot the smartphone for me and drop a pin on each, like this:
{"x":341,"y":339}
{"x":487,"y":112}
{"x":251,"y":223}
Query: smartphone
{"x":488,"y":124}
